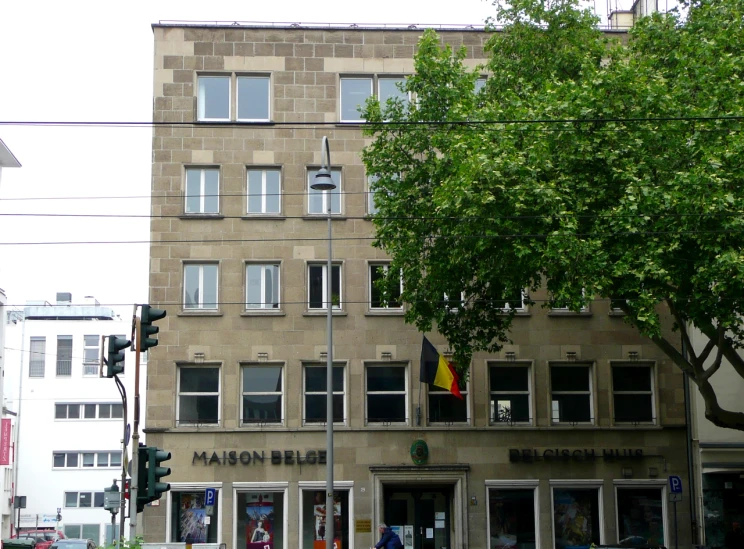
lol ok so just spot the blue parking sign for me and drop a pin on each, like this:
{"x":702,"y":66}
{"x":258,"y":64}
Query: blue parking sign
{"x":209,"y":496}
{"x":675,"y":484}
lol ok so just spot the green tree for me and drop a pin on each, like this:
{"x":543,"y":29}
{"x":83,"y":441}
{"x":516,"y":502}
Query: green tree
{"x":585,"y":166}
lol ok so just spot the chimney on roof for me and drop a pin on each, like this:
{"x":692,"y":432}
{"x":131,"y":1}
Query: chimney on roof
{"x":64,"y":298}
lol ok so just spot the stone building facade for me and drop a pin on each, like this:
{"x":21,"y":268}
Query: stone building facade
{"x":567,"y":435}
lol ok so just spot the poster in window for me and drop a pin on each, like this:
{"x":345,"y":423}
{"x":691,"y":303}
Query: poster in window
{"x":640,"y":514}
{"x":259,"y":521}
{"x":319,"y":512}
{"x":193,"y":519}
{"x":576,"y":515}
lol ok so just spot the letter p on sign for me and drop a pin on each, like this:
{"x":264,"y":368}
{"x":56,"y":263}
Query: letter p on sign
{"x":675,"y":484}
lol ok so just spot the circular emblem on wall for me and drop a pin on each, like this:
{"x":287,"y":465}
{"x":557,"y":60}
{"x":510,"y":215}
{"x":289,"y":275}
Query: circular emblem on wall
{"x":419,"y":452}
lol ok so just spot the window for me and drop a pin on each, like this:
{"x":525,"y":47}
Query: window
{"x":261,"y":286}
{"x":576,"y":517}
{"x":88,"y":411}
{"x":379,"y":298}
{"x":633,"y":393}
{"x":480,"y":83}
{"x":354,"y":94}
{"x":509,"y":386}
{"x":64,"y":355}
{"x":571,"y":393}
{"x":318,"y":202}
{"x":83,"y":499}
{"x":513,"y":302}
{"x":444,"y":407}
{"x":386,"y":393}
{"x":511,"y":517}
{"x":84,"y":531}
{"x":202,"y":191}
{"x":86,"y":460}
{"x":253,"y":98}
{"x":317,"y":288}
{"x":200,"y":286}
{"x":37,"y":356}
{"x":313,"y":509}
{"x":264,"y":191}
{"x":262,"y":394}
{"x":371,"y":192}
{"x":198,"y":396}
{"x":387,"y":88}
{"x":640,"y":515}
{"x":316,"y":391}
{"x":187,"y":514}
{"x":91,"y":355}
{"x":213,"y":102}
{"x":253,"y":526}
{"x":560,"y":309}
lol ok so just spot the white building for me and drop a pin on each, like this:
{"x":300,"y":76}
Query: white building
{"x":70,"y":420}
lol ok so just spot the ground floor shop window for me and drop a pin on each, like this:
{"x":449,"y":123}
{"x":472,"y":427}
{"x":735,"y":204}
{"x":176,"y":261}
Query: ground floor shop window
{"x":260,"y":520}
{"x":511,"y":518}
{"x":722,"y":506}
{"x":189,"y":519}
{"x":315,"y":517}
{"x":640,"y":516}
{"x":576,"y":517}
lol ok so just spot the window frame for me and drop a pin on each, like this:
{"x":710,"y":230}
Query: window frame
{"x":404,"y":393}
{"x":200,"y":308}
{"x":37,"y":366}
{"x":514,"y":485}
{"x":650,"y":484}
{"x":257,"y":76}
{"x":86,"y":362}
{"x":202,"y":191}
{"x":80,"y":464}
{"x":82,"y":411}
{"x":343,"y":392}
{"x":372,"y":88}
{"x":324,"y":286}
{"x":263,"y":307}
{"x":432,"y":390}
{"x":579,"y":484}
{"x":565,"y":311}
{"x":370,"y":287}
{"x":522,"y":305}
{"x":591,"y":370}
{"x":282,"y":407}
{"x":501,"y":363}
{"x":390,"y":78}
{"x":191,"y":366}
{"x":60,"y":357}
{"x":652,"y":393}
{"x":201,"y":104}
{"x":264,"y":191}
{"x":282,"y":488}
{"x":325,"y":196}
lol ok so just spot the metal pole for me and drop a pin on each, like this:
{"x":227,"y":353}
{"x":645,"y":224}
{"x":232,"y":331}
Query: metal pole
{"x":676,"y":532}
{"x":330,"y":521}
{"x":135,"y":439}
{"x":123,"y":392}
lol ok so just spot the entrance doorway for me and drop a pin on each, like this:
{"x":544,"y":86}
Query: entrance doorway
{"x":422,"y":512}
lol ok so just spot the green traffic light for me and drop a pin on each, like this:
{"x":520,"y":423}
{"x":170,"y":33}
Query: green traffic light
{"x":148,"y":316}
{"x":155,"y":472}
{"x":115,"y":355}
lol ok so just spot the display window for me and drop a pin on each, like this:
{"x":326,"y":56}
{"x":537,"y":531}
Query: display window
{"x":315,"y":517}
{"x":511,"y":518}
{"x":260,"y":520}
{"x":640,"y":515}
{"x":191,"y":520}
{"x":576,"y":517}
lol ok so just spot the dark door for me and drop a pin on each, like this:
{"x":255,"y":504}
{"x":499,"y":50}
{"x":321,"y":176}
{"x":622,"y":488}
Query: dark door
{"x":421,"y":512}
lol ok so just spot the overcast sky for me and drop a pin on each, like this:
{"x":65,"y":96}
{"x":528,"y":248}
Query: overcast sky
{"x":86,"y":60}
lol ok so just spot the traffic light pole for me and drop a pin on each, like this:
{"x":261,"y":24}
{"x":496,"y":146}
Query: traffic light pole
{"x":123,"y":393}
{"x":135,"y":436}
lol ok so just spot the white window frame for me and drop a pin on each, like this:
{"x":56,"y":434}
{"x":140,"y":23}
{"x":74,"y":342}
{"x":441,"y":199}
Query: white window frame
{"x":338,"y":486}
{"x":590,"y":373}
{"x":92,"y":493}
{"x":282,"y":408}
{"x":267,"y":78}
{"x":179,"y":394}
{"x":82,"y":526}
{"x":432,"y":390}
{"x":646,"y":485}
{"x":264,"y":191}
{"x":390,"y":78}
{"x":343,"y":392}
{"x":87,"y":362}
{"x":263,"y":305}
{"x":580,"y":484}
{"x":510,"y":306}
{"x":385,"y":266}
{"x":201,"y":102}
{"x":82,"y":406}
{"x":528,"y":365}
{"x":651,"y":394}
{"x":200,"y":305}
{"x":266,"y":487}
{"x":567,"y":311}
{"x":324,"y":283}
{"x":202,"y":190}
{"x":37,"y":356}
{"x":195,"y":487}
{"x":527,"y":485}
{"x":403,"y":392}
{"x":359,"y":118}
{"x":60,"y":362}
{"x":371,"y":207}
{"x":80,"y":457}
{"x":325,"y":196}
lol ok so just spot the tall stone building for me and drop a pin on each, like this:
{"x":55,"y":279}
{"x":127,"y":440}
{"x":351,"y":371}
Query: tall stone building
{"x":566,"y":436}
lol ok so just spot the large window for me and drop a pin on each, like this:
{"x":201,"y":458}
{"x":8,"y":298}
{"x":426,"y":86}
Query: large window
{"x":91,"y":355}
{"x":86,"y":460}
{"x":317,"y":286}
{"x":84,"y":531}
{"x":355,"y":90}
{"x":633,"y":393}
{"x":260,"y":520}
{"x":198,"y":395}
{"x":316,"y":391}
{"x":318,"y":202}
{"x":262,"y":394}
{"x":189,"y":518}
{"x":88,"y":411}
{"x":83,"y":499}
{"x":386,"y":393}
{"x":379,"y":298}
{"x":64,"y":355}
{"x":576,"y":517}
{"x":213,"y":100}
{"x":202,"y":191}
{"x":444,"y":407}
{"x":264,"y":191}
{"x":509,"y":386}
{"x":511,"y":518}
{"x":315,"y":516}
{"x":388,"y":88}
{"x":640,"y":515}
{"x":254,"y":99}
{"x":515,"y":301}
{"x":571,"y":393}
{"x":37,"y":357}
{"x":200,"y":286}
{"x":261,"y":286}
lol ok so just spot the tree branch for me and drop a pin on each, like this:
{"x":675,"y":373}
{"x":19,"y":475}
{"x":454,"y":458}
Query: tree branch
{"x":719,"y":355}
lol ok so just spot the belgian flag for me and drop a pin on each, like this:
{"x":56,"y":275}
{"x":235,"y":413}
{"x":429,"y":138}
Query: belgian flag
{"x":437,"y":370}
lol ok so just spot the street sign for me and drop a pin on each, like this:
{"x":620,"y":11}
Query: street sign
{"x":675,"y":497}
{"x":127,"y":434}
{"x":675,"y":484}
{"x":210,"y":494}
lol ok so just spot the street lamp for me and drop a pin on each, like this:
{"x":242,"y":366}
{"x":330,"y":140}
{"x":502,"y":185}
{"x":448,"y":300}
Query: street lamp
{"x":324,"y":182}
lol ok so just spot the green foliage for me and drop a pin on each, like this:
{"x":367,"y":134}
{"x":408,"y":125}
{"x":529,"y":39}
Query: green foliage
{"x":582,"y":164}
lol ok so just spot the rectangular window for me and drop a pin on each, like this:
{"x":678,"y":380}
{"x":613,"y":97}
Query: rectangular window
{"x":37,"y":356}
{"x":253,"y":526}
{"x":316,"y":391}
{"x":84,"y":531}
{"x":88,"y":411}
{"x":318,"y":202}
{"x":213,"y":101}
{"x":386,"y":394}
{"x":86,"y":499}
{"x":91,"y":355}
{"x":198,"y":396}
{"x":511,"y":517}
{"x":187,"y":515}
{"x":262,"y":394}
{"x":640,"y":515}
{"x":200,"y":286}
{"x":378,"y":297}
{"x":71,"y":499}
{"x":571,"y":393}
{"x":576,"y":517}
{"x":86,"y":460}
{"x":515,"y":301}
{"x":254,"y":103}
{"x":261,"y":286}
{"x":444,"y":407}
{"x":633,"y":393}
{"x":371,"y":193}
{"x":387,"y":88}
{"x":264,"y":191}
{"x":317,"y":288}
{"x":64,"y":355}
{"x":354,"y":93}
{"x":509,"y":387}
{"x":313,"y":509}
{"x":202,"y":191}
{"x":480,"y":83}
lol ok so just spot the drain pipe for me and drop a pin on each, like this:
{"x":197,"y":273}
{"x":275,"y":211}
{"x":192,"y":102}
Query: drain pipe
{"x":690,"y":463}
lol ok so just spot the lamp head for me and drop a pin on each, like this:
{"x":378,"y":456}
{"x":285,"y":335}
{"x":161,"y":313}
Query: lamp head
{"x":323,"y":181}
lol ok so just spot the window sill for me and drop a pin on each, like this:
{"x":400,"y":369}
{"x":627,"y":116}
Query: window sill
{"x":225,"y":122}
{"x":617,"y":313}
{"x":635,"y":424}
{"x":263,"y":217}
{"x":571,"y":425}
{"x":324,"y":312}
{"x":556,"y":313}
{"x":352,"y":123}
{"x":324,"y":217}
{"x":385,"y":312}
{"x":258,"y":426}
{"x":518,"y":312}
{"x":201,"y":216}
{"x":515,"y":425}
{"x":199,"y":312}
{"x":198,"y":426}
{"x":263,"y":312}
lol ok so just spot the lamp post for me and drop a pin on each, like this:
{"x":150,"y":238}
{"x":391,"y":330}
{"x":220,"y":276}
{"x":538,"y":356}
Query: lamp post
{"x":324,"y":182}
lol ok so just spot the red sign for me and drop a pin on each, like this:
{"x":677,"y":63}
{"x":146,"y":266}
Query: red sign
{"x":5,"y":441}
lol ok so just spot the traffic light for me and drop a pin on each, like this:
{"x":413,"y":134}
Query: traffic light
{"x":115,"y":355}
{"x":149,"y":315}
{"x":143,"y":456}
{"x":155,"y":472}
